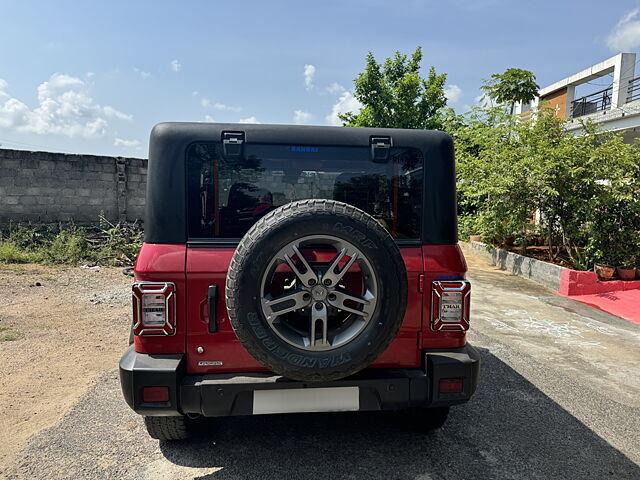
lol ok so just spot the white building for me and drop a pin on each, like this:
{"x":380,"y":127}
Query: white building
{"x":614,"y":105}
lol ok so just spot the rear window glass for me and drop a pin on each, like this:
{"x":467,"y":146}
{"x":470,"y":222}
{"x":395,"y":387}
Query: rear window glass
{"x":226,"y":196}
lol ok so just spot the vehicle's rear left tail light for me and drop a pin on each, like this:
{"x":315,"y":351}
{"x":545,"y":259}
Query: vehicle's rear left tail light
{"x":154,"y":308}
{"x":155,"y":394}
{"x":450,"y":305}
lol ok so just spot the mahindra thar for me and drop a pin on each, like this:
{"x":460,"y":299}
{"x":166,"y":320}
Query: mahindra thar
{"x":297,"y":269}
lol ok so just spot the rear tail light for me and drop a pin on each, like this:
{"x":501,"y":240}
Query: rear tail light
{"x":155,"y":394}
{"x":450,"y":385}
{"x":154,"y":308}
{"x":450,"y":305}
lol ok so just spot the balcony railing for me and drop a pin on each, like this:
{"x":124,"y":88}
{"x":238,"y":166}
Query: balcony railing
{"x":594,"y":102}
{"x":634,"y":90}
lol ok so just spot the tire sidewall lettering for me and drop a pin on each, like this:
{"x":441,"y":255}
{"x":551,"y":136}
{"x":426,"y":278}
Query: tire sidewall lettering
{"x":261,"y":333}
{"x":357,"y":234}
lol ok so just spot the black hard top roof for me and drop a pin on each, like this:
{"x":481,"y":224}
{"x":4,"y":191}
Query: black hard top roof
{"x":165,"y":220}
{"x":296,"y":134}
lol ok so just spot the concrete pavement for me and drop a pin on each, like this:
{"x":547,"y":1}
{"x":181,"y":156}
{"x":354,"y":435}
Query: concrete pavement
{"x":558,"y":399}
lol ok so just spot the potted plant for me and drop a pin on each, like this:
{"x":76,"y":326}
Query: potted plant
{"x":626,"y":273}
{"x":604,"y":272}
{"x":604,"y":265}
{"x":627,"y":260}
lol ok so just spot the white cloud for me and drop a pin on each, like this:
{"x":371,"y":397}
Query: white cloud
{"x":248,"y":120}
{"x":58,"y":83}
{"x":112,"y":112}
{"x":309,"y":74}
{"x":64,"y":108}
{"x":209,"y":118}
{"x":195,"y":93}
{"x":483,"y":101}
{"x":222,"y":106}
{"x":346,"y":103}
{"x":300,"y":117}
{"x":453,"y":93}
{"x":142,"y":73}
{"x":121,"y":142}
{"x":13,"y":112}
{"x":335,"y":88}
{"x":175,"y":65}
{"x":625,"y":35}
{"x":206,"y":103}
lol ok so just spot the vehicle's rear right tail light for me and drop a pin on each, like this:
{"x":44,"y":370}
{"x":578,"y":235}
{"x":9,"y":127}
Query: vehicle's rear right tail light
{"x":450,"y":305}
{"x":154,"y":308}
{"x":450,"y":385}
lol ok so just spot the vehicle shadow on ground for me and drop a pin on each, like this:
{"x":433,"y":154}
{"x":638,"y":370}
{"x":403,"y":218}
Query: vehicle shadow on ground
{"x":510,"y":429}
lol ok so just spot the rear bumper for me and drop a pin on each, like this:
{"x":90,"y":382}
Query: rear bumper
{"x":233,"y":394}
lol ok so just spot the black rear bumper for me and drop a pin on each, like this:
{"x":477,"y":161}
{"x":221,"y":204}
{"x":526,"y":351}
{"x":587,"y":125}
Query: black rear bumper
{"x":232,"y":394}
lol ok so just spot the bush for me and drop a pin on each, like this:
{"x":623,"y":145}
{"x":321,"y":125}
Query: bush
{"x":68,"y":244}
{"x":468,"y":225}
{"x":118,"y":244}
{"x":10,"y":252}
{"x":522,"y":181}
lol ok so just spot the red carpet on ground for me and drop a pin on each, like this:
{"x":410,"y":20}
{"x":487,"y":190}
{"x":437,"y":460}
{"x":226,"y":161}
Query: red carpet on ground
{"x":624,"y":304}
{"x":616,"y":297}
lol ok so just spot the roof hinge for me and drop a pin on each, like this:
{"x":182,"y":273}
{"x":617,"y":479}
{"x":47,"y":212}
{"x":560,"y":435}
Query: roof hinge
{"x":232,"y":144}
{"x":380,"y":149}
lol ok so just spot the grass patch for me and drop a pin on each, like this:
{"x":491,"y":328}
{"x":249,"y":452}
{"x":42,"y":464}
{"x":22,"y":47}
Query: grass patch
{"x":8,"y":334}
{"x":69,"y":244}
{"x":10,"y":252}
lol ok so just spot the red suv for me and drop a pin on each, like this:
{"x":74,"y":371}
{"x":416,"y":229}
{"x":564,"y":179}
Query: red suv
{"x":297,"y":269}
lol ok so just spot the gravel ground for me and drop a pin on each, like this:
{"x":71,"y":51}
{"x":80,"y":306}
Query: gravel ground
{"x":71,"y":325}
{"x":558,"y":399}
{"x":509,"y":431}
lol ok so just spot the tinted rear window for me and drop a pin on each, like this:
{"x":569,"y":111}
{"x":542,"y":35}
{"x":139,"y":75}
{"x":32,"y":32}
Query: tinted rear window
{"x":226,"y":196}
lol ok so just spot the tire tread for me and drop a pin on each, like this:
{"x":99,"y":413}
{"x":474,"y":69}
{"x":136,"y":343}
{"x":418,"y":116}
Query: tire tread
{"x":169,"y":428}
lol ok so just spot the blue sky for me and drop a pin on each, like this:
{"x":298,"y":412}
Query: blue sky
{"x":94,"y":77}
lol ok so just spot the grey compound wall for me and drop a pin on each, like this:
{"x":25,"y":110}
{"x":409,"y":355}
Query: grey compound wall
{"x":50,"y":187}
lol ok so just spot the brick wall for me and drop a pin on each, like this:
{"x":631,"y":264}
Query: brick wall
{"x":51,"y":187}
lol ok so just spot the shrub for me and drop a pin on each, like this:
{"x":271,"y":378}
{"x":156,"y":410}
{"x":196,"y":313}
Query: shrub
{"x":68,"y":244}
{"x":583,"y":189}
{"x":118,"y":244}
{"x":10,"y":252}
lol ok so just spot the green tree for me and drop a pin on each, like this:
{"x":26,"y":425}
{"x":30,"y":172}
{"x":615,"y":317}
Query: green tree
{"x":395,"y":95}
{"x":512,"y":86}
{"x":583,"y":189}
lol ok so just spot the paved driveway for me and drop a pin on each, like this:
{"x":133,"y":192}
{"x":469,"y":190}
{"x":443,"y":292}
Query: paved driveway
{"x":559,"y":397}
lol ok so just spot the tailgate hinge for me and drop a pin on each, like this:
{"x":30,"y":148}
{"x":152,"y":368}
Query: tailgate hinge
{"x":232,"y":144}
{"x":380,"y":149}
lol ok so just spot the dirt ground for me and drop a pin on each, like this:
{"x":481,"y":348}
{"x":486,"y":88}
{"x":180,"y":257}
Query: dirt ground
{"x":60,"y":329}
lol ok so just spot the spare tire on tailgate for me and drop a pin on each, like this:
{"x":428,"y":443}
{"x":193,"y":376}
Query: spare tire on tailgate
{"x":316,"y":290}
